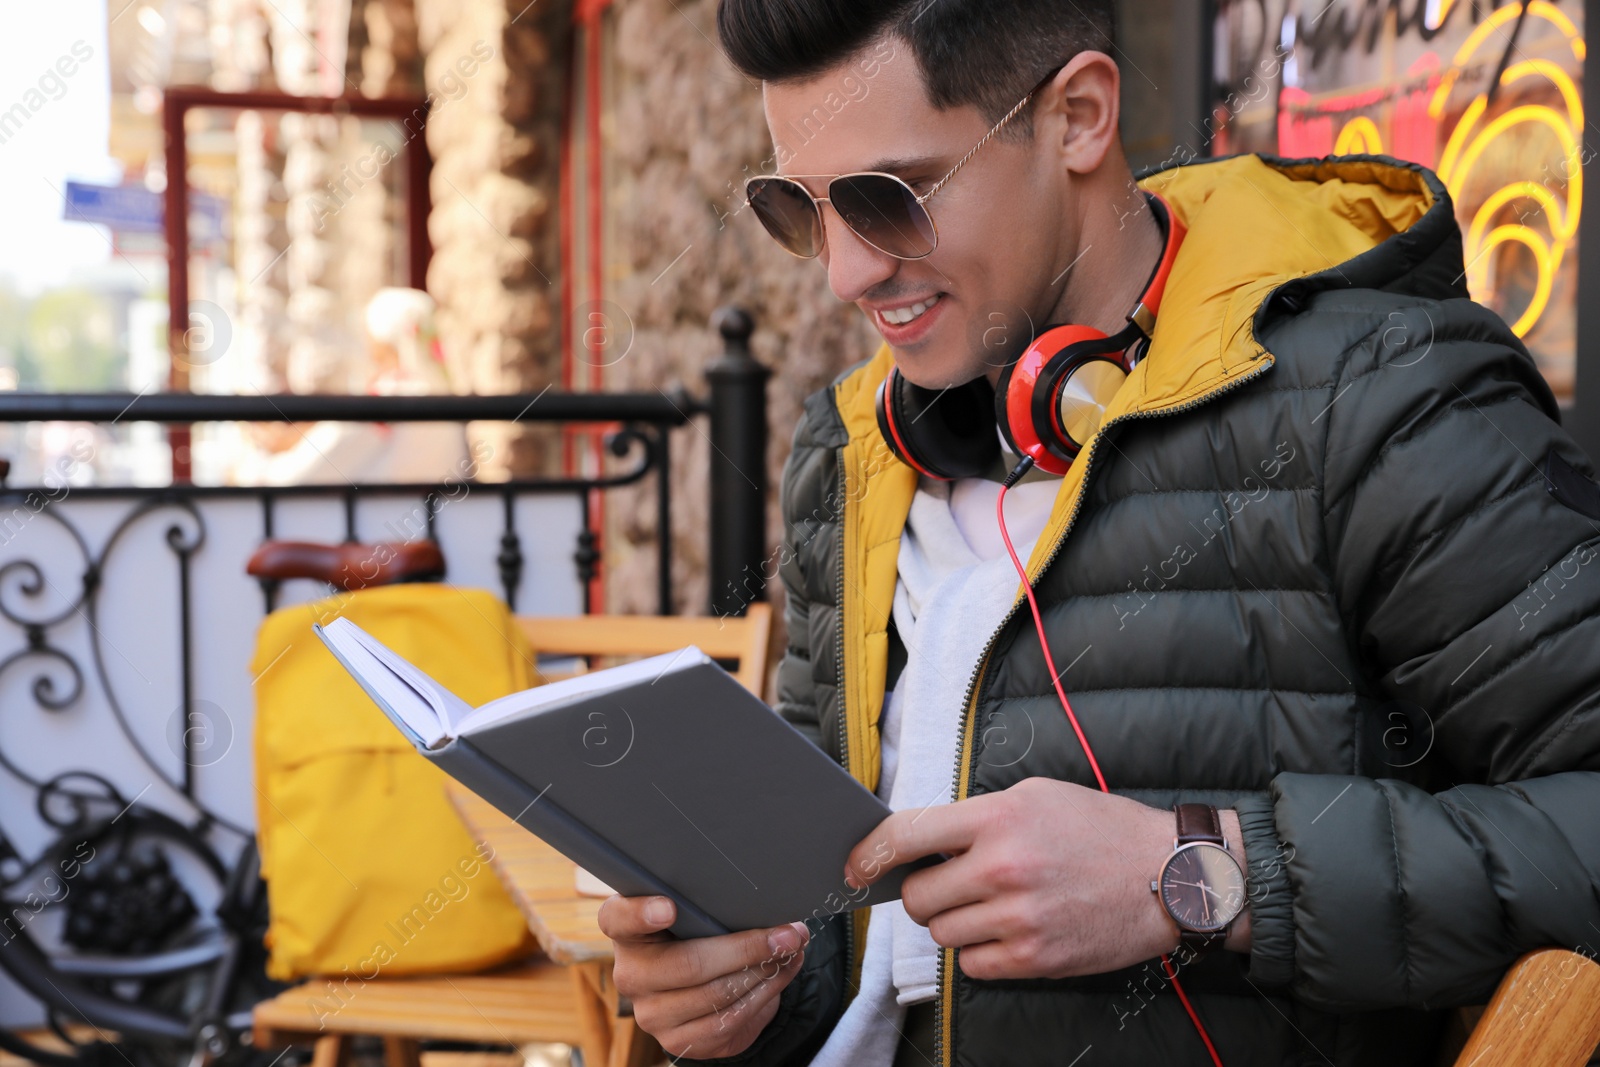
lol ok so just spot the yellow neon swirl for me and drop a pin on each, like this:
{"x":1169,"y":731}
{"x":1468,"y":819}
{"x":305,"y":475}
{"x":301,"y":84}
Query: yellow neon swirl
{"x":1452,"y":147}
{"x":1546,"y":259}
{"x":1360,"y":134}
{"x":1515,"y":117}
{"x":1541,"y":8}
{"x":1484,"y":28}
{"x":1554,"y":14}
{"x":1564,"y":84}
{"x":1531,"y":190}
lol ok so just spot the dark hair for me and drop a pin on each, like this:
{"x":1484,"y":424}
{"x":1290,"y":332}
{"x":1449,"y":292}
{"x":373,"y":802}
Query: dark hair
{"x":987,"y":53}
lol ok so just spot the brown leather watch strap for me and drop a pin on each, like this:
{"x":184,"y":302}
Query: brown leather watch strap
{"x":1198,"y":822}
{"x":1200,"y":944}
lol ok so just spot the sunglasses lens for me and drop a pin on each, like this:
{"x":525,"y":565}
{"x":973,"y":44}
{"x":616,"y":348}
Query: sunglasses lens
{"x":789,"y":214}
{"x":885,"y":213}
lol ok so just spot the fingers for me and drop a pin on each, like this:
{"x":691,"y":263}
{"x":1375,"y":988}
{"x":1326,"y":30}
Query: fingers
{"x":912,"y":833}
{"x":685,"y":1023}
{"x":719,"y":987}
{"x":643,"y":967}
{"x":708,"y":995}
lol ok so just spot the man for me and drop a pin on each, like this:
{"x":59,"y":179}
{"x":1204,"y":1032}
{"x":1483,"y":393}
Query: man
{"x":1325,"y":565}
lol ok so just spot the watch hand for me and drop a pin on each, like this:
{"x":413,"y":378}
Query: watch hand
{"x":1196,"y":885}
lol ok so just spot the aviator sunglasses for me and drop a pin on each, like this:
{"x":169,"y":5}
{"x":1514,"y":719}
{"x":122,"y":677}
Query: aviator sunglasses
{"x":880,"y":208}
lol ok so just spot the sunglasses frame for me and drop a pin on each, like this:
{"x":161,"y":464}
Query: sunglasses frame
{"x":921,"y":201}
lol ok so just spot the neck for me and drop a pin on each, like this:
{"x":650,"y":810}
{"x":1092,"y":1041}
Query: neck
{"x":1118,"y":249}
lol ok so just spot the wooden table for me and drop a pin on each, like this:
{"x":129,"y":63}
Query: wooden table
{"x":543,"y":883}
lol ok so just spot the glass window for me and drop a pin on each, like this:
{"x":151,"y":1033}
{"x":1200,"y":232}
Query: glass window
{"x":1491,"y":99}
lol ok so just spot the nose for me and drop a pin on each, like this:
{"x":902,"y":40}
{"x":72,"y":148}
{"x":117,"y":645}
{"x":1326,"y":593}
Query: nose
{"x":854,"y":266}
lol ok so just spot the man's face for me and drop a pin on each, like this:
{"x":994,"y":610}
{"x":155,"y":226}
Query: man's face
{"x":1000,"y":220}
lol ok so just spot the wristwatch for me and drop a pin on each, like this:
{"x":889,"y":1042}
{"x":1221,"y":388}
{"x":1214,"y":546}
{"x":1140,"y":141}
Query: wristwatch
{"x":1201,"y":885}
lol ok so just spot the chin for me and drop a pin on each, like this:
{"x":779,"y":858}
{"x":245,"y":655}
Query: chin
{"x":933,"y":372}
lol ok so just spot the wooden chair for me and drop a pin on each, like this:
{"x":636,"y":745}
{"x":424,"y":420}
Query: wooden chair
{"x":529,"y":1003}
{"x":539,"y":1000}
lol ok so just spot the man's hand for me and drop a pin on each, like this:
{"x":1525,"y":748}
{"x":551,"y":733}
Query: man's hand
{"x":706,"y":997}
{"x":1046,"y":879}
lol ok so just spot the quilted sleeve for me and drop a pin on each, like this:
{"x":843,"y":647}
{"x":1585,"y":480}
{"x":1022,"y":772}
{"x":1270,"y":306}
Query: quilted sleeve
{"x":1463,"y":534}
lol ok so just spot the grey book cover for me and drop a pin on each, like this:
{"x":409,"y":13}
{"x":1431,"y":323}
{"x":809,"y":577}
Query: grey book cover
{"x":675,"y":780}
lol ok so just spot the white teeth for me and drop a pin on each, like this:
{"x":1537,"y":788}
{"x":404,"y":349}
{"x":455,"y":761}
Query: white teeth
{"x":901,"y":316}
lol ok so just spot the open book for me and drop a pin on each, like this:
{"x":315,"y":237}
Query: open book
{"x":663,"y":776}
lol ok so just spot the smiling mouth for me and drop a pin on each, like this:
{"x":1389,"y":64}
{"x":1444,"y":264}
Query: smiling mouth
{"x":903,"y":316}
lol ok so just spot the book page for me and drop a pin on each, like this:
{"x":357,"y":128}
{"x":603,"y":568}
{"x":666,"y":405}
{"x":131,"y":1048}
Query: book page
{"x":449,"y":710}
{"x":428,"y":709}
{"x":532,"y":701}
{"x":399,"y":700}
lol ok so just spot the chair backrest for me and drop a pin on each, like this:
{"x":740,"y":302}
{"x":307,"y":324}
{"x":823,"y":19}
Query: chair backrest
{"x":1546,"y":1010}
{"x":744,"y":640}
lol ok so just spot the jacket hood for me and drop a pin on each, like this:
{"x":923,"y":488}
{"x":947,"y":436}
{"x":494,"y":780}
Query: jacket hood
{"x":1267,"y":233}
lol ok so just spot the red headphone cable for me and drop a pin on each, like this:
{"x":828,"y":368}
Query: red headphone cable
{"x":1055,"y":678}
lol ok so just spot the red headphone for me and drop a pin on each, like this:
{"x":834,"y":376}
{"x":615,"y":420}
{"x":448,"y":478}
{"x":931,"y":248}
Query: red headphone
{"x":1048,"y":403}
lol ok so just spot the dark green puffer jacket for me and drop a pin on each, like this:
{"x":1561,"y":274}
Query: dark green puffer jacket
{"x":1332,"y":562}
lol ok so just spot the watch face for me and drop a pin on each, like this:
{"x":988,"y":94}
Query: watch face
{"x":1202,"y":887}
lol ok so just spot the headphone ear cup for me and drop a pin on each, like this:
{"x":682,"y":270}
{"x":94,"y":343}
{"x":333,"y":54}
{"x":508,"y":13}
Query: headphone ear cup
{"x":944,"y":433}
{"x":1072,"y":397}
{"x":1022,"y":383}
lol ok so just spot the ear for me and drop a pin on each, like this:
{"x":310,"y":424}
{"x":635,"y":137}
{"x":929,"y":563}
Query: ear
{"x":1080,"y":108}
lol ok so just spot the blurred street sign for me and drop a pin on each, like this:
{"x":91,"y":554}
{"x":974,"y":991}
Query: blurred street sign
{"x":133,"y":209}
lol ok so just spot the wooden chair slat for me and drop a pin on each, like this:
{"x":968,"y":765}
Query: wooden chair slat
{"x":1546,"y":1010}
{"x":744,"y":639}
{"x":533,"y":1003}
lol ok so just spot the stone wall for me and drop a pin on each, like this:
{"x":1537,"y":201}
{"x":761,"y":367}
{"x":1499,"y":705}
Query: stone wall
{"x":687,"y":130}
{"x":385,"y":56}
{"x":494,"y":71}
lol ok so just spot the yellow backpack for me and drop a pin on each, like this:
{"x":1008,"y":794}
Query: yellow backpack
{"x":368,"y":869}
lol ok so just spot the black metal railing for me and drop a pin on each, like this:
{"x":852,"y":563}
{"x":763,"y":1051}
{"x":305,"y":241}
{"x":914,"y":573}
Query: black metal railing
{"x":735,"y":402}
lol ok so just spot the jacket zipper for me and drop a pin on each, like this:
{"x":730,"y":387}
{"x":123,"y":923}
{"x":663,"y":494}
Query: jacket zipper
{"x":843,"y":700}
{"x":940,"y":1047}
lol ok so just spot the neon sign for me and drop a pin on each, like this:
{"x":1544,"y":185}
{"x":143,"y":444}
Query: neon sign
{"x":1491,"y":100}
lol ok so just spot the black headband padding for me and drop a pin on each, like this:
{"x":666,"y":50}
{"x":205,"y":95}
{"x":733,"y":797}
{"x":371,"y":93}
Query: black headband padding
{"x":950,"y":430}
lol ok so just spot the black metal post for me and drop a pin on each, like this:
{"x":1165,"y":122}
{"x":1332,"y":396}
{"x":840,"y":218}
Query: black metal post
{"x":738,"y":406}
{"x":664,"y":522}
{"x":510,"y":557}
{"x":185,"y":660}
